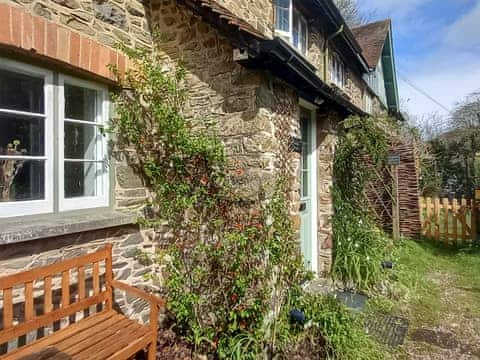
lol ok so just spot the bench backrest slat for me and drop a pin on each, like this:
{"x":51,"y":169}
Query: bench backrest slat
{"x":7,"y":308}
{"x":96,"y":278}
{"x":55,"y":306}
{"x":29,"y":301}
{"x":81,"y":282}
{"x":65,"y":288}
{"x":47,"y":294}
{"x":41,"y":272}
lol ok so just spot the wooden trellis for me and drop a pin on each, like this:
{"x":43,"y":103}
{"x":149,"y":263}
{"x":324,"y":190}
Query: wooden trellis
{"x":380,"y":194}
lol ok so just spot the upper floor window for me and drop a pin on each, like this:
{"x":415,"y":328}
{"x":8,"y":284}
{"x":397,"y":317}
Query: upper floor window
{"x":291,"y":25}
{"x":283,"y":16}
{"x":52,"y":148}
{"x":300,"y":32}
{"x":337,"y":71}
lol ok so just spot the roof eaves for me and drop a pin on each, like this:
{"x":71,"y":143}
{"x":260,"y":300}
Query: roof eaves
{"x":277,"y":55}
{"x":337,"y":20}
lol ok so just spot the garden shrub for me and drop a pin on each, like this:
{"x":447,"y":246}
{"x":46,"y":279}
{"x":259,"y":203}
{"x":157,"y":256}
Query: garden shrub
{"x":360,"y":245}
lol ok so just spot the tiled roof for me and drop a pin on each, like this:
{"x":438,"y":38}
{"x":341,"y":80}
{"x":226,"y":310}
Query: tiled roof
{"x":371,"y":38}
{"x":226,"y":15}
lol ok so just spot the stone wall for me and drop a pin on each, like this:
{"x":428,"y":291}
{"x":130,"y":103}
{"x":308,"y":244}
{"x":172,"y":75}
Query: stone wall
{"x":107,"y":22}
{"x":222,"y":94}
{"x":315,"y":53}
{"x":326,"y":141}
{"x":355,"y":89}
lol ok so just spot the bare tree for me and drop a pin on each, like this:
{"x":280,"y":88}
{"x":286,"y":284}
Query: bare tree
{"x":351,"y":12}
{"x":467,"y":113}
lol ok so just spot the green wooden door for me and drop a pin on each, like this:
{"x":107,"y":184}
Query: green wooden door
{"x":305,"y":187}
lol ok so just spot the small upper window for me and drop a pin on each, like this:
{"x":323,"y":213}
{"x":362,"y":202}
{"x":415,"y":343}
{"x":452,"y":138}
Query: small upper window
{"x":337,"y":71}
{"x":299,"y":32}
{"x":283,"y":15}
{"x":291,"y":25}
{"x":47,"y":150}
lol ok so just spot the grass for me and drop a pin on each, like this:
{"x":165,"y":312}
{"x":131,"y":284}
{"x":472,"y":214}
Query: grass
{"x":433,"y":286}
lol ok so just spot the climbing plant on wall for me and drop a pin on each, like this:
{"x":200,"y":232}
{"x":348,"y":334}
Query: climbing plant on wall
{"x":360,"y":245}
{"x":225,"y":256}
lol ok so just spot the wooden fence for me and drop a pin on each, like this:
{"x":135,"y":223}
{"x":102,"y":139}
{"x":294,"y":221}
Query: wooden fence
{"x":452,"y":222}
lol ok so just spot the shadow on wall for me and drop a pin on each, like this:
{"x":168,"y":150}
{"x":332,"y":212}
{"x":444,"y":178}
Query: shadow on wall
{"x":241,"y":104}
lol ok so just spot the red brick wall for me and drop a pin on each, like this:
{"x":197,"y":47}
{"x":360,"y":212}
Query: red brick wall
{"x":36,"y":36}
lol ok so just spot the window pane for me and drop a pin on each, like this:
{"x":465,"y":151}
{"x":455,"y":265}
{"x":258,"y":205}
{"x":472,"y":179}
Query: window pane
{"x":22,"y":180}
{"x":282,"y":15}
{"x":21,"y":92}
{"x":22,"y":135}
{"x":81,"y":178}
{"x":303,"y":37}
{"x":304,"y":191}
{"x":296,"y":30}
{"x":80,"y":141}
{"x":80,"y":103}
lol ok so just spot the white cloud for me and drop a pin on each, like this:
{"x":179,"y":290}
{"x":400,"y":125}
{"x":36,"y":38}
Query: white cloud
{"x":464,"y":33}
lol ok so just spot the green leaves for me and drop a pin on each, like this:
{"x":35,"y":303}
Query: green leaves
{"x":226,"y":256}
{"x":360,"y":246}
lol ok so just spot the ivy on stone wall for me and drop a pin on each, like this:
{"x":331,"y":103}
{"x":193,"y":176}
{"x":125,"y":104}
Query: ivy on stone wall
{"x":360,"y":245}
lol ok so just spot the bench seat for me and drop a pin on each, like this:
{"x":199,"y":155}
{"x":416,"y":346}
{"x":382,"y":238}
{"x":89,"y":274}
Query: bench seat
{"x":78,"y":287}
{"x":106,"y":335}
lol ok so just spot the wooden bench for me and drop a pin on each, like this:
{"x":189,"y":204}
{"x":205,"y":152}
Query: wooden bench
{"x":105,"y":334}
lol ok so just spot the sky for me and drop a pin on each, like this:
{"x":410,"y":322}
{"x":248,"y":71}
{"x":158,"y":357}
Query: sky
{"x":437,"y":49}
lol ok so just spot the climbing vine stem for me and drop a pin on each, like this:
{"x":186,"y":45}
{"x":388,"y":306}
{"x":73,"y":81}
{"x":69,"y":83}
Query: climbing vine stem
{"x":225,"y":255}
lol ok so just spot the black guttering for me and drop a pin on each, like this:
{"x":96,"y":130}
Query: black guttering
{"x":283,"y":61}
{"x":278,"y":57}
{"x":335,"y":21}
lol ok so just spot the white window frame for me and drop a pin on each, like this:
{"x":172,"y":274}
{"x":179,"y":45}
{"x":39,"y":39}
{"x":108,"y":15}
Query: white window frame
{"x":102,"y":181}
{"x":288,"y":35}
{"x":335,"y":65}
{"x":283,"y":33}
{"x":32,"y":207}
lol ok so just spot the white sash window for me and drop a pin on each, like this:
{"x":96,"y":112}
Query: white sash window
{"x":291,"y":25}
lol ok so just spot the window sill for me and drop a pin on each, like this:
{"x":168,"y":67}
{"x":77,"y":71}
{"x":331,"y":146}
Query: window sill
{"x":17,"y":230}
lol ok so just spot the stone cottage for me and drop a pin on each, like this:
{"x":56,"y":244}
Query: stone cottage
{"x":254,"y":66}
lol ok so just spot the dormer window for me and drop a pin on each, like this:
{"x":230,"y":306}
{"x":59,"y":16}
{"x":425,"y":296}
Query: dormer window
{"x":291,"y":25}
{"x":337,"y":71}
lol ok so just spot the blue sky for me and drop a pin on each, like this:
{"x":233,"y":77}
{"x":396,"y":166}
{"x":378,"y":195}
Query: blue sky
{"x":437,"y":49}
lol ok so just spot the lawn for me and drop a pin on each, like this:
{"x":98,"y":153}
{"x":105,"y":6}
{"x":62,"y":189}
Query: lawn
{"x":438,"y":291}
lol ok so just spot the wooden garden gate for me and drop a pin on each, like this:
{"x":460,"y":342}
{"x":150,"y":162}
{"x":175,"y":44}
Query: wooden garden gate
{"x":452,"y":222}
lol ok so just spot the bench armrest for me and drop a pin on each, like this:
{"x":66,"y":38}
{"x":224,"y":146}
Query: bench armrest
{"x":153,"y":300}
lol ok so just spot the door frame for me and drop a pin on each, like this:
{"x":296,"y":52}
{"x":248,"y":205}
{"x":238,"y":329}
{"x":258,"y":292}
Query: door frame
{"x":313,"y":186}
